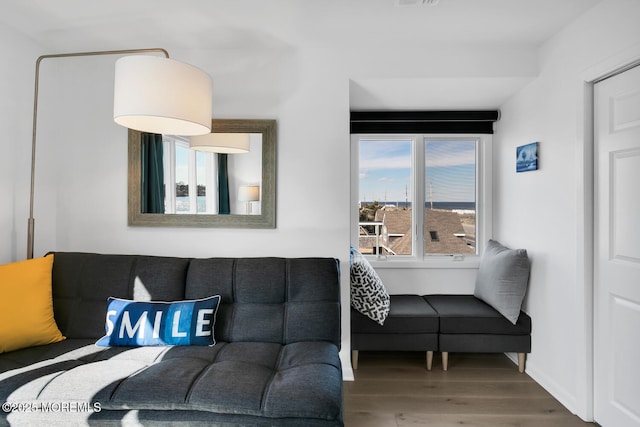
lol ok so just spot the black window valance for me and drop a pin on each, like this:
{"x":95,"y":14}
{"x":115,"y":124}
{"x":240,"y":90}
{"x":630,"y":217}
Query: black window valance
{"x":424,"y":121}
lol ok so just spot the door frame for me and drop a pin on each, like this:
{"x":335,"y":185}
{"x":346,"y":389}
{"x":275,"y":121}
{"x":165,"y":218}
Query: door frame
{"x":585,"y":224}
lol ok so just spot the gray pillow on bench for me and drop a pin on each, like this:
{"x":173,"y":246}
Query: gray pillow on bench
{"x":503,"y":278}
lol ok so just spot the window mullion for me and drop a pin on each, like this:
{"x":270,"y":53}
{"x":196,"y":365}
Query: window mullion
{"x":193,"y":183}
{"x":418,"y":196}
{"x":484,"y":213}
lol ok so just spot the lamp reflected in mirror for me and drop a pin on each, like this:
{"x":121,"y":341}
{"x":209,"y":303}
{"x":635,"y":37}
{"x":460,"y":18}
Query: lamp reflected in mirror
{"x":249,"y":194}
{"x":230,"y":143}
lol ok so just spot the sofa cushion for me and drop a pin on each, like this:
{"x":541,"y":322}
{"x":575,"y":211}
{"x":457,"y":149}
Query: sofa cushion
{"x":277,"y":293}
{"x":135,"y":323}
{"x":502,"y":279}
{"x":83,"y":282}
{"x":466,"y":314}
{"x":368,"y":294}
{"x":32,"y":355}
{"x":407,"y":314}
{"x":26,"y":305}
{"x":244,"y":378}
{"x":270,"y":299}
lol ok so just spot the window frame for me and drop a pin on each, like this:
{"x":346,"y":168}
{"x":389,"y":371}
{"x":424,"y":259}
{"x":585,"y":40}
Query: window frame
{"x":484,"y":212}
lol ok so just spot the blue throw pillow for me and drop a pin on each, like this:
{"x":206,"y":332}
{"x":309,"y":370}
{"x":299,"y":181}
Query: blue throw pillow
{"x":155,"y":323}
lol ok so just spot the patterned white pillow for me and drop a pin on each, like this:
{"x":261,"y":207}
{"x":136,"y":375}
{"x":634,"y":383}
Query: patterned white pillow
{"x":368,"y":294}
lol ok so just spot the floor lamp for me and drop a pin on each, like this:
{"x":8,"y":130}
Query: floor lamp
{"x":151,"y":94}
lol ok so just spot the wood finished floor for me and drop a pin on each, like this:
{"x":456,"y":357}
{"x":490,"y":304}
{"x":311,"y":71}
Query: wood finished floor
{"x":394,"y":389}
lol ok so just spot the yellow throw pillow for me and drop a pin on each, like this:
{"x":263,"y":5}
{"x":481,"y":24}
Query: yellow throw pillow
{"x":26,"y":305}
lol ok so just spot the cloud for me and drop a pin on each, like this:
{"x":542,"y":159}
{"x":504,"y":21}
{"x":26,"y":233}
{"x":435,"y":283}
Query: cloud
{"x":385,"y":155}
{"x":381,"y":163}
{"x":450,"y":153}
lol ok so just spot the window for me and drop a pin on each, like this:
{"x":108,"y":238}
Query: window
{"x":450,"y":166}
{"x":420,"y":196}
{"x":189,"y":178}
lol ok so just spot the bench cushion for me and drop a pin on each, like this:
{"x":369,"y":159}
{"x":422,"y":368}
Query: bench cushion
{"x":466,"y":314}
{"x":407,"y":314}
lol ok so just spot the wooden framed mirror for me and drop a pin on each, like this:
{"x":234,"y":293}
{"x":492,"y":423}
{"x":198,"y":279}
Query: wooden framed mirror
{"x":264,"y":217}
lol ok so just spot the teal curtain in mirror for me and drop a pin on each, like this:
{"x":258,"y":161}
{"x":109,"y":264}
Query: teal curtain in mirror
{"x":152,"y":179}
{"x":223,"y":185}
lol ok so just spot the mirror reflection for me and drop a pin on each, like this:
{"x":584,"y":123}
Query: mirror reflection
{"x":205,"y":182}
{"x":173,"y":184}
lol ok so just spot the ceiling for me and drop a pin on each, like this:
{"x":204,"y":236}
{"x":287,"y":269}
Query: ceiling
{"x":81,"y":25}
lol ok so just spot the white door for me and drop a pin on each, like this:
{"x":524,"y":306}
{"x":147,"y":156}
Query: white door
{"x":617,"y":250}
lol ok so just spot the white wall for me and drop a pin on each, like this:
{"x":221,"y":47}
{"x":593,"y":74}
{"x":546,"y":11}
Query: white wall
{"x":16,"y":103}
{"x":547,"y":211}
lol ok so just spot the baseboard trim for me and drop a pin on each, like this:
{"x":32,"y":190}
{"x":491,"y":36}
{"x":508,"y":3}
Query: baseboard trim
{"x":561,"y":394}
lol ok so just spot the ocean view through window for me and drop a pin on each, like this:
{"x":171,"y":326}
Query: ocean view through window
{"x":443,"y":175}
{"x":450,"y":195}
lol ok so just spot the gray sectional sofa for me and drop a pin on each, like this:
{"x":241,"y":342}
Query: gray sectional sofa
{"x":275,"y":361}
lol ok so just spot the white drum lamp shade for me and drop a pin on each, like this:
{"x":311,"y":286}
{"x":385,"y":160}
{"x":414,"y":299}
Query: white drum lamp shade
{"x":160,"y":95}
{"x":249,"y":193}
{"x":231,"y":143}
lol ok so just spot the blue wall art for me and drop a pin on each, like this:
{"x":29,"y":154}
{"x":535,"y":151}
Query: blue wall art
{"x":527,"y":157}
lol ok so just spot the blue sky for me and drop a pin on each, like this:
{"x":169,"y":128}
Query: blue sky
{"x":385,"y":170}
{"x":182,"y":162}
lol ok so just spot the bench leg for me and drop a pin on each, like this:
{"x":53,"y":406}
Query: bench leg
{"x":429,"y":360}
{"x":354,"y":359}
{"x":445,"y":360}
{"x":521,"y":359}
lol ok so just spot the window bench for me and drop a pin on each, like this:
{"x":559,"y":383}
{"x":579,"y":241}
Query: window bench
{"x":445,"y":323}
{"x":411,"y":325}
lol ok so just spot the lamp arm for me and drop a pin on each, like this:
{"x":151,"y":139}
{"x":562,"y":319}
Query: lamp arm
{"x":31,"y":221}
